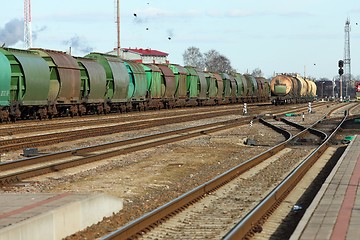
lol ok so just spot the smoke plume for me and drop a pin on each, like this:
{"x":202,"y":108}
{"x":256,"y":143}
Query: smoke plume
{"x":12,"y":32}
{"x":78,"y":44}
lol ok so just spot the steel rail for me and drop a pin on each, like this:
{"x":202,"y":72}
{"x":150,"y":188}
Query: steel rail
{"x":87,"y":154}
{"x":91,"y":120}
{"x":85,"y":150}
{"x":282,"y":131}
{"x":250,"y":223}
{"x":46,"y":139}
{"x":87,"y":157}
{"x":156,"y":216}
{"x":294,"y":124}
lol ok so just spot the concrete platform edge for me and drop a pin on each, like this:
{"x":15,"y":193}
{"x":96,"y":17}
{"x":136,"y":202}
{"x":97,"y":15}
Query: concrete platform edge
{"x":310,"y":210}
{"x":65,"y":220}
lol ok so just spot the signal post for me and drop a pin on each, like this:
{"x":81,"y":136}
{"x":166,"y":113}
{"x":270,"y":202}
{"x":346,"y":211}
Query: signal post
{"x":341,"y":72}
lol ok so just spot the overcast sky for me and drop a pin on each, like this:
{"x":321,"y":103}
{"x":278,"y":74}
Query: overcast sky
{"x":273,"y":35}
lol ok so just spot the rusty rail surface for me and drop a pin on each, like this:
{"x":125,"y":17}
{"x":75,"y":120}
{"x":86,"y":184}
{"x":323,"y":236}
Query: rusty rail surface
{"x":12,"y":129}
{"x":87,"y":154}
{"x":46,"y":139}
{"x":251,"y":222}
{"x":88,"y":120}
{"x":87,"y":157}
{"x":52,"y":138}
{"x":150,"y":220}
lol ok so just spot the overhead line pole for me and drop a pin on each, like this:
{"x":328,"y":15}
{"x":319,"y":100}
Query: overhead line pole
{"x":347,"y":58}
{"x":27,"y":24}
{"x":118,"y":26}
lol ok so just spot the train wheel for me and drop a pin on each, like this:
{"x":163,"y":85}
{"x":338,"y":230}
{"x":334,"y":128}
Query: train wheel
{"x":4,"y":116}
{"x":82,"y":110}
{"x":141,"y":107}
{"x":146,"y":106}
{"x":41,"y":113}
{"x":100,"y":109}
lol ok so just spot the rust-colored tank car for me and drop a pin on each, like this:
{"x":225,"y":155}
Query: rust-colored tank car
{"x":43,"y":83}
{"x":263,"y":89}
{"x":291,"y":88}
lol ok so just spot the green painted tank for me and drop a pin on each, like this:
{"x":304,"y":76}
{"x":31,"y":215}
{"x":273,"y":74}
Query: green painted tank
{"x":240,"y":84}
{"x":248,"y":87}
{"x":5,"y":79}
{"x":153,"y":76}
{"x":253,"y":83}
{"x":117,"y":77}
{"x":211,"y":85}
{"x":93,"y":86}
{"x":227,"y":85}
{"x":24,"y":85}
{"x":138,"y":81}
{"x":24,"y":78}
{"x":196,"y":83}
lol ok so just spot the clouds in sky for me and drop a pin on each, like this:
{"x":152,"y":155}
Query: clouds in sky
{"x":12,"y":32}
{"x":250,"y":33}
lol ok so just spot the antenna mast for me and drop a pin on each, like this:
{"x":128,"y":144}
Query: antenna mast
{"x":118,"y":26}
{"x":27,"y":24}
{"x":347,"y":65}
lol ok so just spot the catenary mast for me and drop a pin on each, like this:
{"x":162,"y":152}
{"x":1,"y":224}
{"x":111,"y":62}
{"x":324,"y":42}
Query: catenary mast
{"x":27,"y":24}
{"x":347,"y":65}
{"x":118,"y":26}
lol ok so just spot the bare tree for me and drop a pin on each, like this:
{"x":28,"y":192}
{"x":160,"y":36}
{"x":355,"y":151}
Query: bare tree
{"x":257,"y":72}
{"x":210,"y":59}
{"x":193,"y":57}
{"x":216,"y":62}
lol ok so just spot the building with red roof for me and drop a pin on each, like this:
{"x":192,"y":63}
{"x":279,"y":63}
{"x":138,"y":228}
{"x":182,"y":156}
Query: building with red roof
{"x":143,"y":55}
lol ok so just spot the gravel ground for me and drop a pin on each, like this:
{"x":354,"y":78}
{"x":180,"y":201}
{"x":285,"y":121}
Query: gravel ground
{"x":165,"y":171}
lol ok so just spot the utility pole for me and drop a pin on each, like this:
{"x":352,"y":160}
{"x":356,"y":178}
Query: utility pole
{"x":27,"y":24}
{"x":118,"y":26}
{"x":347,"y":63}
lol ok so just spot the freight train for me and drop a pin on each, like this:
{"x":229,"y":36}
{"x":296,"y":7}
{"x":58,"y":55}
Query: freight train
{"x":357,"y":90}
{"x":41,"y":83}
{"x":291,"y":88}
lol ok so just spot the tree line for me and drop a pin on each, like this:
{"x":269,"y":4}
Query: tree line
{"x":211,"y":61}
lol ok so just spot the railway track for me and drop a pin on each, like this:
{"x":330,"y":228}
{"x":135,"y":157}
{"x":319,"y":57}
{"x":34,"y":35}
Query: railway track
{"x":200,"y":138}
{"x":282,"y":123}
{"x":281,"y":225}
{"x":46,"y":125}
{"x":44,"y":138}
{"x":208,"y":210}
{"x":15,"y":171}
{"x":252,"y":222}
{"x":88,"y":121}
{"x":51,"y":138}
{"x":165,"y":227}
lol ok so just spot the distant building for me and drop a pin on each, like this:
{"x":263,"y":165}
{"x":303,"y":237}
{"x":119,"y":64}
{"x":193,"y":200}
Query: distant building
{"x":142,"y":55}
